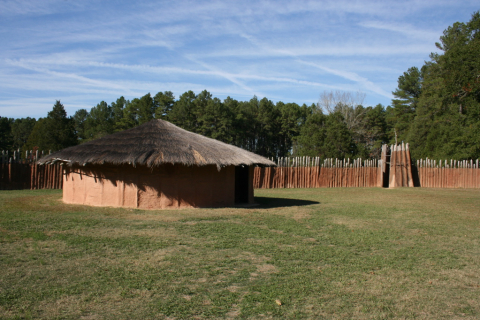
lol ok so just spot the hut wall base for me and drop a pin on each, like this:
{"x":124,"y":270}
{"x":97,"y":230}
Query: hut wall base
{"x":164,"y":187}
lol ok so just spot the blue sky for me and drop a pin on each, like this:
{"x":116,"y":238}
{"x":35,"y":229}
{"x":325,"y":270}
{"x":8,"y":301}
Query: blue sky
{"x":83,"y":52}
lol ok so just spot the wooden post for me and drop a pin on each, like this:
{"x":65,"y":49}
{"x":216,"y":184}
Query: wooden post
{"x":393,"y":164}
{"x":409,"y":167}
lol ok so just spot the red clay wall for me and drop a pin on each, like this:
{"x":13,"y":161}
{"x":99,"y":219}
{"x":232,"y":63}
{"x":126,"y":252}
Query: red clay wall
{"x":168,"y":186}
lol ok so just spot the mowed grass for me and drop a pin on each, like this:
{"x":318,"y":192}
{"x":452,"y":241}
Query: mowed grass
{"x":303,"y":253}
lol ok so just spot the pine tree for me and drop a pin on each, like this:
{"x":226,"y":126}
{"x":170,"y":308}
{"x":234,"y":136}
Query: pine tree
{"x":59,"y":129}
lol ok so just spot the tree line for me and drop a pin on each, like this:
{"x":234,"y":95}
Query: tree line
{"x":436,"y":108}
{"x":258,"y":125}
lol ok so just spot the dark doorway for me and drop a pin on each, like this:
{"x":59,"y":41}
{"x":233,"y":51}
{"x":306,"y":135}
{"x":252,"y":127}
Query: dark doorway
{"x":386,"y":175}
{"x":241,"y":184}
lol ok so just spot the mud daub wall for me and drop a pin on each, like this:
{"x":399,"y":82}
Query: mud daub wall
{"x":167,"y":186}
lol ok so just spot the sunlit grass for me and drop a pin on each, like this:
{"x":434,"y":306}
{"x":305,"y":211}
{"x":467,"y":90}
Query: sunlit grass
{"x":321,"y":253}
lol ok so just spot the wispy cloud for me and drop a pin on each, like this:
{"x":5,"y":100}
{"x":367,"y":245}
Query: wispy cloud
{"x":33,"y":7}
{"x":30,"y":64}
{"x":364,"y":82}
{"x":405,"y":29}
{"x":87,"y":51}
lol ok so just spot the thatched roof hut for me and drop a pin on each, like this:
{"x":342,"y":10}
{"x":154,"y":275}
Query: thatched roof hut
{"x":157,"y":165}
{"x":156,"y":143}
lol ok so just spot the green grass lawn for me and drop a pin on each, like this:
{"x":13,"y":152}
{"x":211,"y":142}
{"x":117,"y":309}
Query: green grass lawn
{"x":302,"y":253}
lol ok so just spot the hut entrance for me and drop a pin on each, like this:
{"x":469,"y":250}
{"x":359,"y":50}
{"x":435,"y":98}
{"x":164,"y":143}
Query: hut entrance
{"x":241,"y":184}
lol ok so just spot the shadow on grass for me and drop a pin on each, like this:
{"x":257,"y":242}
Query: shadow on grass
{"x":267,"y":203}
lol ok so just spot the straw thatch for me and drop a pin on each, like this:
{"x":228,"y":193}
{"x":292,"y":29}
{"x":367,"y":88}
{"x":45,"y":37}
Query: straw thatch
{"x":155,"y":143}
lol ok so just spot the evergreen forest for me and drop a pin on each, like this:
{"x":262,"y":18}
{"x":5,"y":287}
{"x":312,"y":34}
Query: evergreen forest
{"x":436,"y":108}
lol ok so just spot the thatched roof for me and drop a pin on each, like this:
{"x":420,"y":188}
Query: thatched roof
{"x":155,"y":143}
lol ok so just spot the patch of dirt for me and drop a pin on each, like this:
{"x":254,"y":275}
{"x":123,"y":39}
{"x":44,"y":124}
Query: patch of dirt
{"x":233,"y":313}
{"x":5,"y":231}
{"x":152,"y":217}
{"x":297,"y":216}
{"x":351,"y":222}
{"x":266,"y":268}
{"x":156,"y":257}
{"x":233,"y":288}
{"x":115,"y":233}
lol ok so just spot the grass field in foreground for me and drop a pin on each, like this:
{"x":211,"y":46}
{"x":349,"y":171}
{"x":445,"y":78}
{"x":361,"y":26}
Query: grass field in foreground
{"x":320,"y":253}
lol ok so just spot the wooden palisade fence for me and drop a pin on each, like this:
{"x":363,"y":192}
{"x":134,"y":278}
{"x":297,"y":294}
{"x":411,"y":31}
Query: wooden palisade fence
{"x":18,"y":173}
{"x":394,"y":169}
{"x":445,"y":174}
{"x":308,"y":172}
{"x":400,"y":171}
